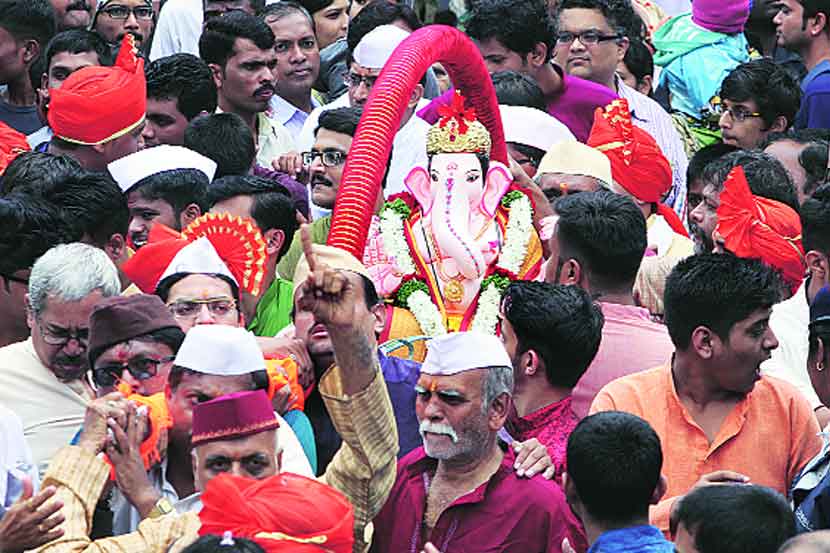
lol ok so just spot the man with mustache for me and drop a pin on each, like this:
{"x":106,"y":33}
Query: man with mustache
{"x":116,"y":18}
{"x":239,"y":48}
{"x":41,"y":379}
{"x":73,"y":14}
{"x":694,"y":182}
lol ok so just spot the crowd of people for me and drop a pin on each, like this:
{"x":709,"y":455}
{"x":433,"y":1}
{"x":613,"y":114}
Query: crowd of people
{"x":587,"y":309}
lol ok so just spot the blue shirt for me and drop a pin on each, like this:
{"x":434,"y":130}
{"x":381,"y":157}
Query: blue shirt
{"x":635,"y":539}
{"x":814,"y":112}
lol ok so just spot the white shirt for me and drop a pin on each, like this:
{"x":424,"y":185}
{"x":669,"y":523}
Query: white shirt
{"x":790,"y":321}
{"x":290,"y":116}
{"x":15,"y":457}
{"x":652,"y":118}
{"x":178,"y":29}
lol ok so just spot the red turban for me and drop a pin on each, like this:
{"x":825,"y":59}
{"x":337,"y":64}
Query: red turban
{"x":637,"y":163}
{"x":98,"y":104}
{"x":12,"y":144}
{"x":283,"y":513}
{"x":755,"y":227}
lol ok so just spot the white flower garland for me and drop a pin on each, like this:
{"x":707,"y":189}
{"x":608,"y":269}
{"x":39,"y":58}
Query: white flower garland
{"x":487,"y":311}
{"x":426,"y":313}
{"x":394,"y":242}
{"x":516,"y":235}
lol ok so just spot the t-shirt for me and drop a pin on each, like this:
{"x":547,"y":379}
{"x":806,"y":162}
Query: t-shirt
{"x":814,"y":112}
{"x":23,"y":119}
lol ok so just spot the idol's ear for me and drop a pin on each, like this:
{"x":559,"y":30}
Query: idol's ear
{"x":420,"y":185}
{"x":496,"y":184}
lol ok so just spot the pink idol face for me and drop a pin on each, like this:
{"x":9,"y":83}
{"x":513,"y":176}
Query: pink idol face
{"x":459,"y":173}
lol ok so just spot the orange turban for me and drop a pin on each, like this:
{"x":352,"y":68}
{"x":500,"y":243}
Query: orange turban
{"x":755,"y":227}
{"x":283,"y":513}
{"x":637,"y":163}
{"x":98,"y":104}
{"x":12,"y":144}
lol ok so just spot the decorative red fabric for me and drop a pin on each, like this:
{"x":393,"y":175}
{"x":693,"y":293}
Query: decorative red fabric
{"x":98,"y":104}
{"x":381,"y":119}
{"x":233,"y":416}
{"x":12,"y":144}
{"x":755,"y":227}
{"x":285,"y":513}
{"x":637,"y":163}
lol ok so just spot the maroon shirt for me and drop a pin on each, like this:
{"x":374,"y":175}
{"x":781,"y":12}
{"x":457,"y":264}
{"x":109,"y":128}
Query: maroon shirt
{"x":507,"y":514}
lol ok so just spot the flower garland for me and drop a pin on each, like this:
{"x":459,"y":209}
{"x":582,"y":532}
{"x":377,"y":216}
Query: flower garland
{"x":414,"y":293}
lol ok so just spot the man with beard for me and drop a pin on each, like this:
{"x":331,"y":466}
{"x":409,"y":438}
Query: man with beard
{"x":694,"y":182}
{"x":41,"y":379}
{"x":766,"y":176}
{"x":719,"y":420}
{"x":116,"y":18}
{"x":239,"y":48}
{"x":73,"y":14}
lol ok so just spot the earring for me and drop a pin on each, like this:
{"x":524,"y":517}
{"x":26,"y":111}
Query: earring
{"x":820,"y":366}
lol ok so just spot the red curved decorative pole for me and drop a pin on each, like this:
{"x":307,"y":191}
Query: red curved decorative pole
{"x":382,"y":116}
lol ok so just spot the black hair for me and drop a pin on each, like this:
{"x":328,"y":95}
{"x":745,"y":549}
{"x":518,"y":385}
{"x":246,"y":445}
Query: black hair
{"x":272,"y":208}
{"x":73,"y":41}
{"x":811,"y":9}
{"x":29,"y":20}
{"x":560,"y":323}
{"x":29,"y":227}
{"x":38,"y":172}
{"x":614,"y":461}
{"x":813,"y":156}
{"x":799,"y":136}
{"x":766,"y":83}
{"x":224,"y":138}
{"x":284,"y":8}
{"x":606,"y":233}
{"x":705,"y":156}
{"x":340,"y":120}
{"x":177,"y":187}
{"x":445,"y":17}
{"x":171,"y":337}
{"x":184,"y":78}
{"x":519,"y":25}
{"x":379,"y":13}
{"x":619,"y":14}
{"x":370,"y":293}
{"x":716,"y":291}
{"x":815,"y":221}
{"x":166,"y":284}
{"x":256,"y":5}
{"x":736,"y":519}
{"x":764,"y":174}
{"x":215,"y":544}
{"x":534,"y":154}
{"x":639,"y":60}
{"x":314,"y":6}
{"x":518,"y":89}
{"x":94,"y":204}
{"x":216,"y":45}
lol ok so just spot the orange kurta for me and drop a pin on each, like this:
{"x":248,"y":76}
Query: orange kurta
{"x":769,"y":436}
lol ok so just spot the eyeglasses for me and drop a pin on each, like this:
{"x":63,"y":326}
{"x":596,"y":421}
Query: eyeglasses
{"x":62,"y":336}
{"x":141,"y":368}
{"x":353,"y":79}
{"x":190,"y":309}
{"x":587,"y":38}
{"x":329,"y":158}
{"x":123,"y":12}
{"x":736,"y":114}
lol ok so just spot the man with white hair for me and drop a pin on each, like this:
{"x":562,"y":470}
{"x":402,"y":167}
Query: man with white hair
{"x":41,"y":378}
{"x":459,"y":491}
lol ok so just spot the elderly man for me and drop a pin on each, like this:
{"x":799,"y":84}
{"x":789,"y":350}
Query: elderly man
{"x":459,"y":490}
{"x":42,"y":378}
{"x":354,"y":393}
{"x":116,"y":18}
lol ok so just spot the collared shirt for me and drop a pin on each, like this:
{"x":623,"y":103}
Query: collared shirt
{"x":363,"y":471}
{"x":635,"y":539}
{"x":51,"y":410}
{"x":507,"y":514}
{"x":631,"y":342}
{"x":290,"y":116}
{"x":652,"y":118}
{"x":810,"y":491}
{"x":551,"y":425}
{"x":769,"y":436}
{"x":273,"y":140}
{"x":790,"y":321}
{"x":814,"y":112}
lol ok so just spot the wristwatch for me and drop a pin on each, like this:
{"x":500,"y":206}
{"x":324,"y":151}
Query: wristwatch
{"x":162,"y":507}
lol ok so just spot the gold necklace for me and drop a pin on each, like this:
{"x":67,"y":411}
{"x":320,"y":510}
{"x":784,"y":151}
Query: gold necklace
{"x":453,"y":287}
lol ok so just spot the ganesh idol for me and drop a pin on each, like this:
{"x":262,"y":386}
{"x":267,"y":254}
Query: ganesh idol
{"x":446,"y":250}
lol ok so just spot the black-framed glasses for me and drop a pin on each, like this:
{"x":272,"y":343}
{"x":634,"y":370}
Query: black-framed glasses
{"x":190,"y":309}
{"x":141,"y":368}
{"x":587,"y":38}
{"x":353,"y":79}
{"x":329,"y":158}
{"x":62,"y":336}
{"x":123,"y":12}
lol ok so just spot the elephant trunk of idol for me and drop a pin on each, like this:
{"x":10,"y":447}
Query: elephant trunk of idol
{"x":451,"y":227}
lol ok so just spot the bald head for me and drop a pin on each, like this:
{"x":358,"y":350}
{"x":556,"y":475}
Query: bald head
{"x":813,"y":542}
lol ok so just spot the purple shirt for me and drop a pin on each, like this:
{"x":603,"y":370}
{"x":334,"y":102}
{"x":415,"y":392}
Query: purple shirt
{"x":506,"y":514}
{"x":574,"y":105}
{"x":631,"y":342}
